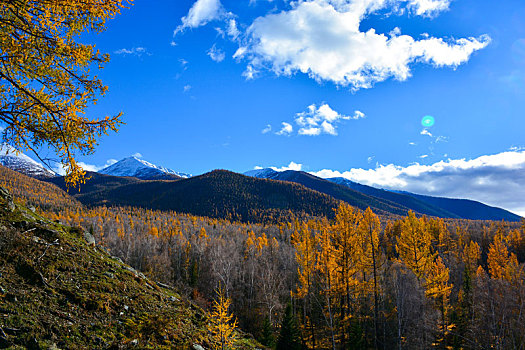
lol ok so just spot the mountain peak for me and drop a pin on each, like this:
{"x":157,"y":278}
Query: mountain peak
{"x":265,"y":173}
{"x":137,"y":167}
{"x":22,"y":163}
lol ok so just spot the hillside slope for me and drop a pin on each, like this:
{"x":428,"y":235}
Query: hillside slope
{"x":219,"y":194}
{"x":352,"y":197}
{"x":59,"y":292}
{"x":468,"y":209}
{"x":40,"y":194}
{"x":400,"y":198}
{"x":95,"y":187}
{"x":395,"y":202}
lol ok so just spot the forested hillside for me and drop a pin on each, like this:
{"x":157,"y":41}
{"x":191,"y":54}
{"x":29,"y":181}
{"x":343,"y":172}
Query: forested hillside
{"x":218,"y":194}
{"x":31,"y":192}
{"x":60,"y":291}
{"x":353,"y":281}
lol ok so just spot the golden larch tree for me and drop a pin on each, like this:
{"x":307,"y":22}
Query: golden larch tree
{"x":222,"y":324}
{"x":414,"y":245}
{"x":45,"y":85}
{"x":370,"y":259}
{"x":501,"y":263}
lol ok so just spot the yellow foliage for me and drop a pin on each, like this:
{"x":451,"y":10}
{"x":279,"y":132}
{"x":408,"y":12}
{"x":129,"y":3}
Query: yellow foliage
{"x":202,"y":233}
{"x":154,"y":231}
{"x":414,"y":245}
{"x":46,"y":87}
{"x":305,"y":243}
{"x":221,"y":326}
{"x":471,"y":255}
{"x":503,"y":265}
{"x":436,"y":284}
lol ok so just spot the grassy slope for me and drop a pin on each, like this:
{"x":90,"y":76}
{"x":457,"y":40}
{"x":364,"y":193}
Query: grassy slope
{"x":76,"y":296}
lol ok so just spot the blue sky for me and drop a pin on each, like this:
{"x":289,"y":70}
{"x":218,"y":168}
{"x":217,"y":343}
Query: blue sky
{"x":338,"y":87}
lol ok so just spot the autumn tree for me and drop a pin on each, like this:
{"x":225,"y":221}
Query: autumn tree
{"x":437,"y":287}
{"x":327,"y":270}
{"x":45,"y":85}
{"x":369,"y":229}
{"x":305,"y":242}
{"x":222,"y":324}
{"x":344,"y":244}
{"x":414,"y":245}
{"x":502,"y":265}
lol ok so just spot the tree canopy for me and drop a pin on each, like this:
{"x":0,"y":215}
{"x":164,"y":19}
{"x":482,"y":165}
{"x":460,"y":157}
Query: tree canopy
{"x":46,"y":85}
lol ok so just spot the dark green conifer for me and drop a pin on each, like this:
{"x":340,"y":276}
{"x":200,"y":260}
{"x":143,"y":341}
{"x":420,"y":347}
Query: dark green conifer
{"x":289,"y":338}
{"x":268,"y":337}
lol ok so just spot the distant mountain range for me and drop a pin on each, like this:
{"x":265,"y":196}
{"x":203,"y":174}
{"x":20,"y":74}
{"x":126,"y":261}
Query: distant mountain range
{"x":141,"y":169}
{"x":218,"y":194}
{"x":433,"y":206}
{"x":255,"y":196}
{"x":23,"y":163}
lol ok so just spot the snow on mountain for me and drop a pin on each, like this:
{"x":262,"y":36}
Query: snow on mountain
{"x":22,"y":163}
{"x":266,"y":173}
{"x":136,"y":167}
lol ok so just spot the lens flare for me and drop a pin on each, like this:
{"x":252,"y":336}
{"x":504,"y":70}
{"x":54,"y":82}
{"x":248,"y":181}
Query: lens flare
{"x":427,"y":121}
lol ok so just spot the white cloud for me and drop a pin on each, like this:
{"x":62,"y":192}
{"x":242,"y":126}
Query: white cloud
{"x":186,"y":88}
{"x":426,"y":132}
{"x":440,"y":139}
{"x":137,"y":51}
{"x":267,"y":129}
{"x":250,"y":73}
{"x":412,"y":143}
{"x":428,"y":8}
{"x":492,"y":179}
{"x":232,"y":29}
{"x":435,"y":139}
{"x":90,"y":167}
{"x":216,"y":54}
{"x":59,"y":169}
{"x":291,"y":166}
{"x":322,"y":38}
{"x":138,"y":155}
{"x":423,"y":156}
{"x":321,"y":120}
{"x":358,"y":115}
{"x":286,"y":129}
{"x":202,"y":12}
{"x":183,"y":63}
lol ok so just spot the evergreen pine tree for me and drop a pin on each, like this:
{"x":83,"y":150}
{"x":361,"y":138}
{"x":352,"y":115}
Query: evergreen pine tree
{"x":289,"y":338}
{"x":268,"y":337}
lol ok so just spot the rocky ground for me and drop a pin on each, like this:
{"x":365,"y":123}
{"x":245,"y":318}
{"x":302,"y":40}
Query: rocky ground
{"x":59,"y":290}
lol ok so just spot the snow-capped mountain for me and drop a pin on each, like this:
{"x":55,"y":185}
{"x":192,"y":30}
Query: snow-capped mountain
{"x":22,"y":163}
{"x":266,"y":173}
{"x":139,"y":168}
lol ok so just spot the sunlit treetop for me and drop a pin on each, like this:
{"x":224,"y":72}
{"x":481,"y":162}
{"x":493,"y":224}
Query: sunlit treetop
{"x":45,"y":84}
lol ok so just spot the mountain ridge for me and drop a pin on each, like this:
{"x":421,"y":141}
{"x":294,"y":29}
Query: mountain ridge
{"x":23,"y":163}
{"x":433,"y":206}
{"x":105,"y":188}
{"x":219,"y":194}
{"x":136,"y":167}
